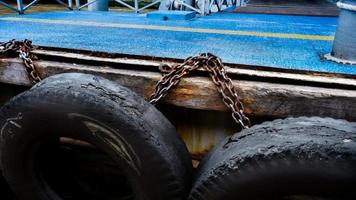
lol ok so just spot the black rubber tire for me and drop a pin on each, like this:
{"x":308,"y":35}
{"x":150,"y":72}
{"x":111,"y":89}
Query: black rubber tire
{"x":296,"y":156}
{"x":5,"y":191}
{"x":108,"y":115}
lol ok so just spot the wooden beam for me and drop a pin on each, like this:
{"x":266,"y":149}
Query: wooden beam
{"x":260,"y":98}
{"x":152,"y":65}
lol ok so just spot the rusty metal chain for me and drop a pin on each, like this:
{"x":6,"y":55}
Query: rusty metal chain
{"x":24,"y":48}
{"x":172,"y":76}
{"x":214,"y":66}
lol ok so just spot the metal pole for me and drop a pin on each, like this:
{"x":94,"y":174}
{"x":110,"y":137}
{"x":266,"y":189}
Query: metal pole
{"x":344,"y":45}
{"x":30,"y":4}
{"x":98,"y":5}
{"x":70,"y":3}
{"x":124,"y":4}
{"x":20,"y":6}
{"x":8,"y":6}
{"x":136,"y":6}
{"x":203,"y":7}
{"x":77,"y":4}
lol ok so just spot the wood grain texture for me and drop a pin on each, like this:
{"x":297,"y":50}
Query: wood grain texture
{"x":263,"y":99}
{"x":145,"y":64}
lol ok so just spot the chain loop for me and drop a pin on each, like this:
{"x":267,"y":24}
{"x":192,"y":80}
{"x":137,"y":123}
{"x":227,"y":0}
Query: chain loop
{"x":24,"y":48}
{"x":171,"y":78}
{"x":214,"y":66}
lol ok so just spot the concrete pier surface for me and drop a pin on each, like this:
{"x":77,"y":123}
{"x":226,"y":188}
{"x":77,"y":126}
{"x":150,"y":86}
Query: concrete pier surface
{"x":257,"y":40}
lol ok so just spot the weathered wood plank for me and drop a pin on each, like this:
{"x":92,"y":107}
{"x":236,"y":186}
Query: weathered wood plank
{"x":153,"y":65}
{"x":13,"y":72}
{"x":260,"y":98}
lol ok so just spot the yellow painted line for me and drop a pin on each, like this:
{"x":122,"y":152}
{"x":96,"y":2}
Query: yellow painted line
{"x":172,"y":28}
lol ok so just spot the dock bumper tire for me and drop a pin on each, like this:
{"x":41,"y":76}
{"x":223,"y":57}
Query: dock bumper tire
{"x":119,"y":129}
{"x":295,"y":158}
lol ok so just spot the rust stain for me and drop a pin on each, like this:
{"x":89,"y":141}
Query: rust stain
{"x":248,"y":102}
{"x":201,"y":139}
{"x":148,"y":90}
{"x":181,"y":93}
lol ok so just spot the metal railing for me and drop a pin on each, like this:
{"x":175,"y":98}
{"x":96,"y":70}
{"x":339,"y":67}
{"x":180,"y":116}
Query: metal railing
{"x":21,"y":7}
{"x":76,"y":5}
{"x":136,"y":8}
{"x":202,"y":7}
{"x":205,"y":7}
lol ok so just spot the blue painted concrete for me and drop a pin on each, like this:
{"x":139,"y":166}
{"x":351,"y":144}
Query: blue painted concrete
{"x":171,"y":15}
{"x":248,"y":50}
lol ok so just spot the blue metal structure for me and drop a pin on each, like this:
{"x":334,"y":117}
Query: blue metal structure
{"x":254,"y":40}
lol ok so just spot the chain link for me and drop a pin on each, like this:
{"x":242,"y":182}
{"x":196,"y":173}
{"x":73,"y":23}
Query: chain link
{"x":214,"y":66}
{"x":24,"y":48}
{"x":172,"y":76}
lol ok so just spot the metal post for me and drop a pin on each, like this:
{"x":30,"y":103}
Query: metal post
{"x":70,"y":3}
{"x":98,"y":5}
{"x":136,"y":6}
{"x":344,"y":46}
{"x":20,"y":6}
{"x":77,"y":4}
{"x":238,"y":3}
{"x":203,"y":7}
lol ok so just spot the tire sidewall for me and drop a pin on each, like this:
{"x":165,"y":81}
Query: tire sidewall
{"x":123,"y":132}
